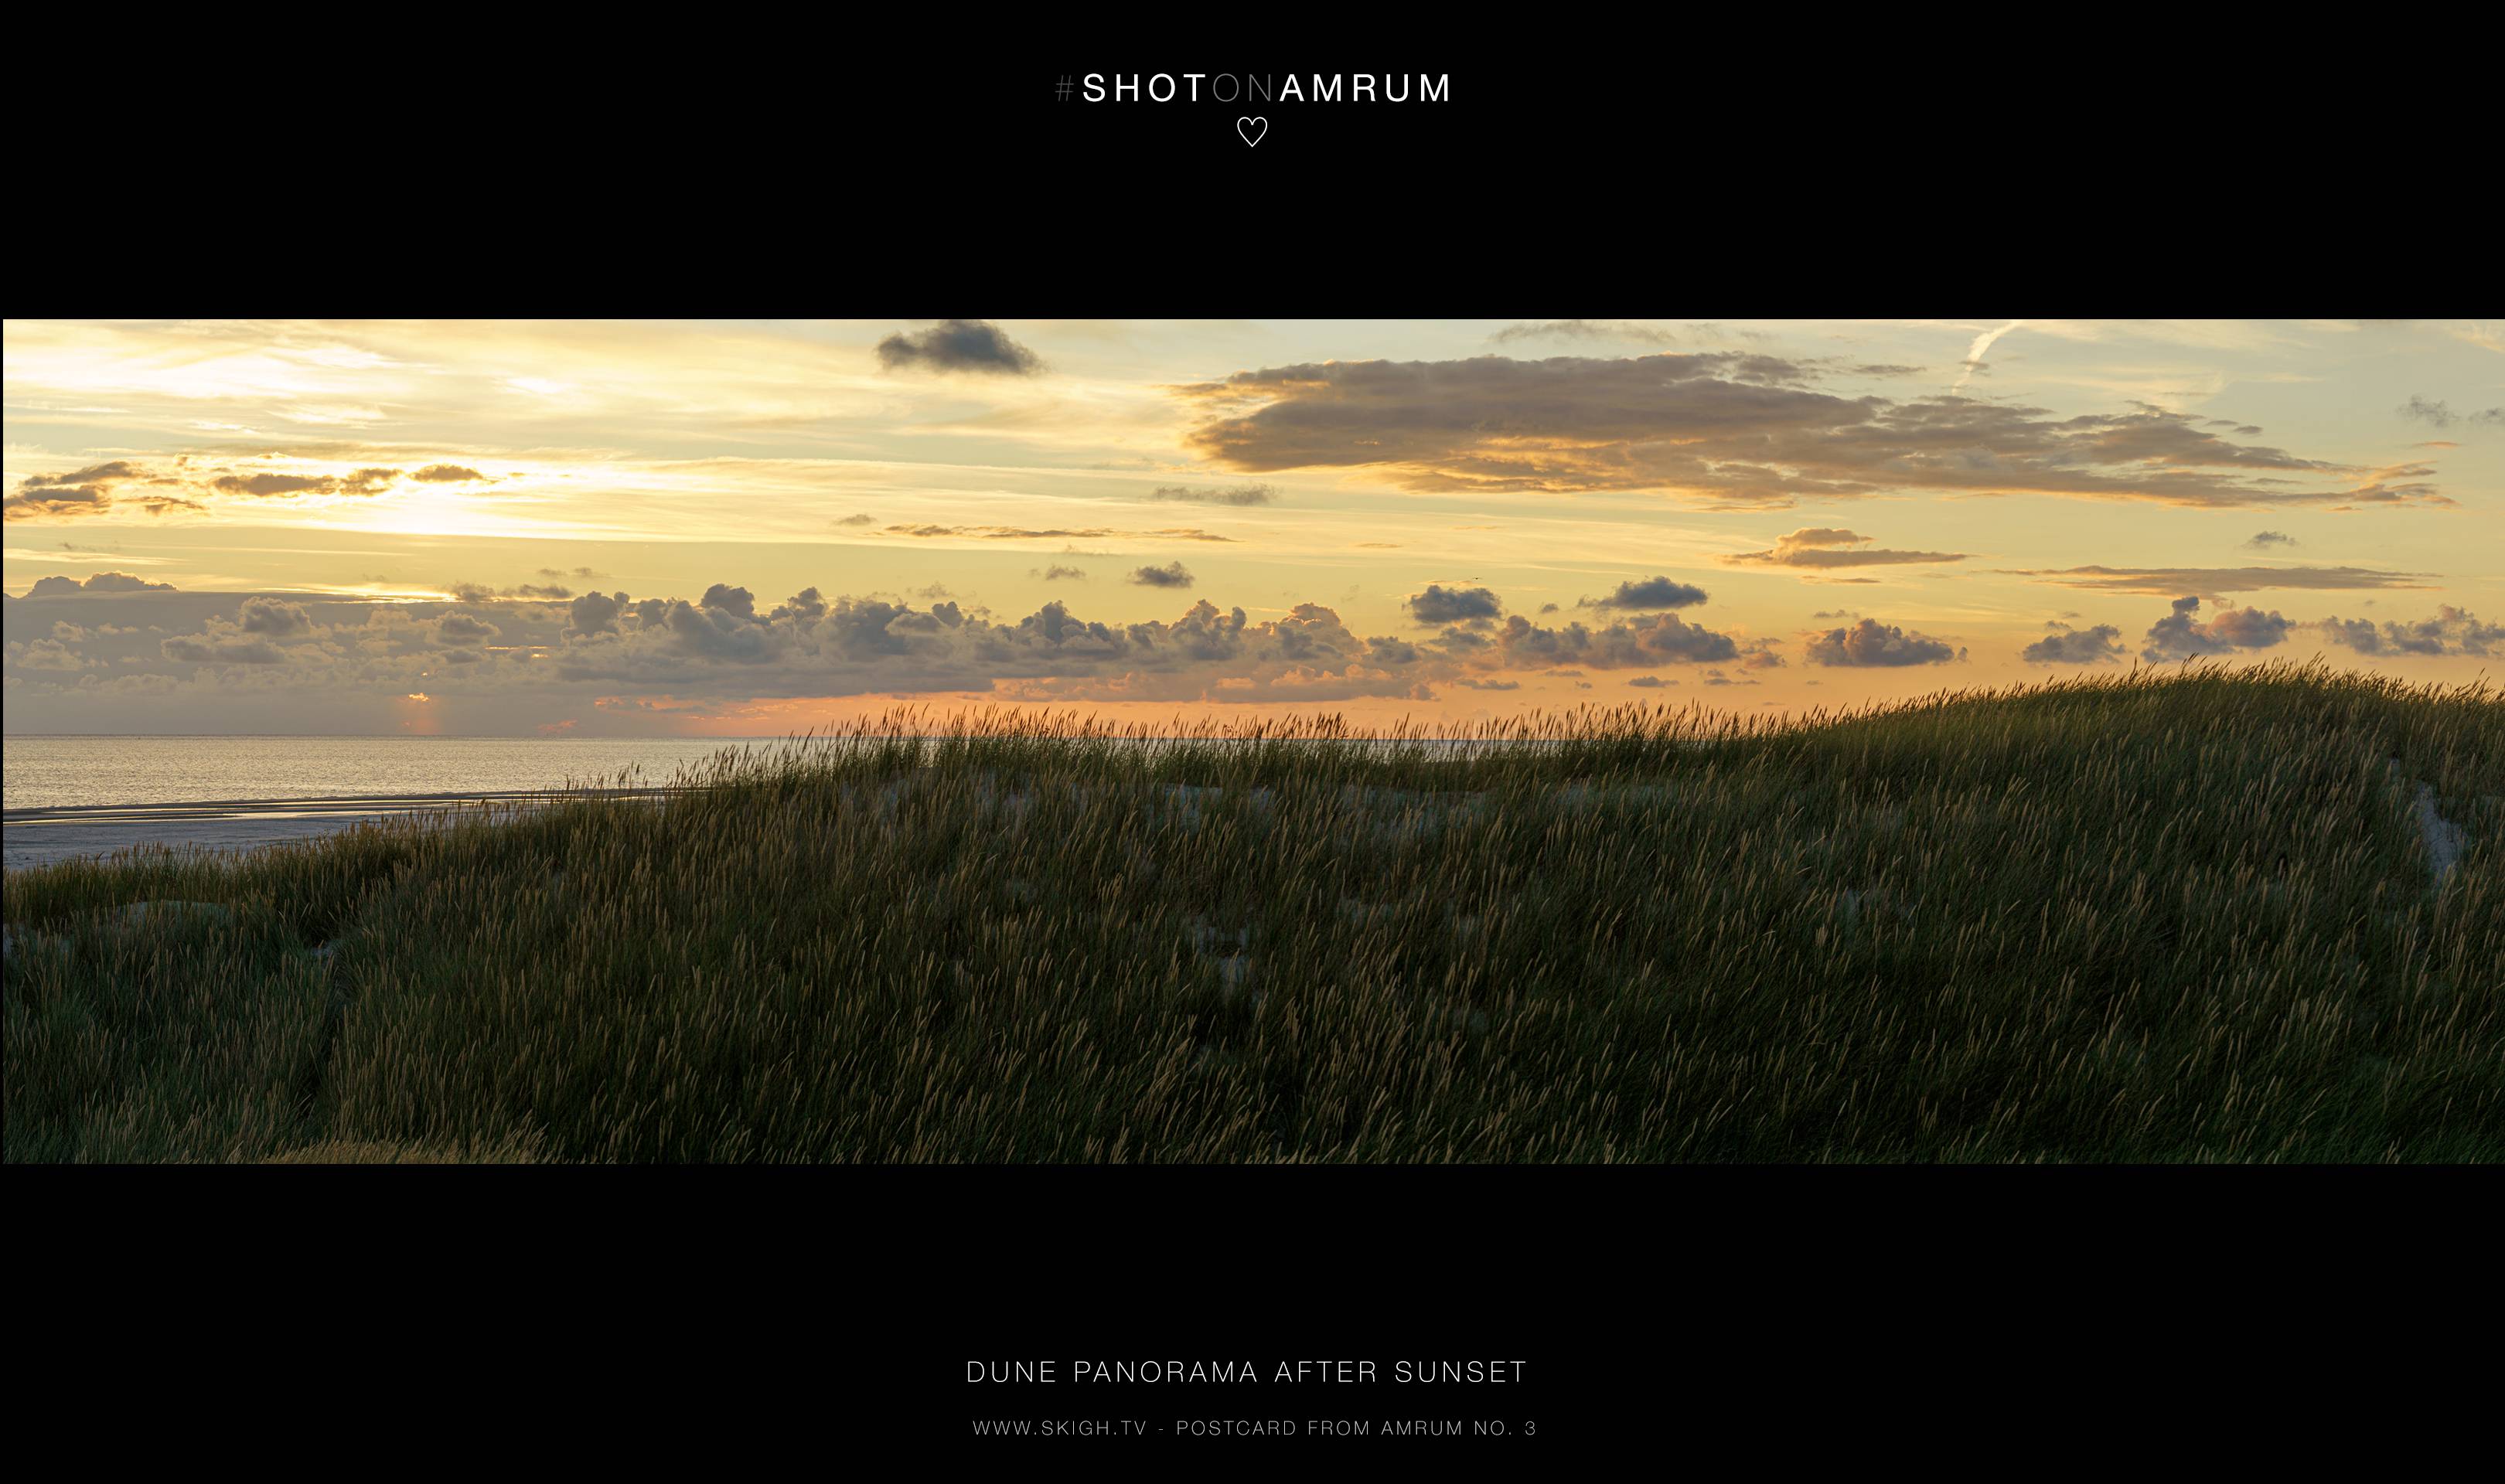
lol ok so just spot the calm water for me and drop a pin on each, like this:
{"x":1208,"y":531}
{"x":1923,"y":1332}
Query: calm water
{"x":116,"y":772}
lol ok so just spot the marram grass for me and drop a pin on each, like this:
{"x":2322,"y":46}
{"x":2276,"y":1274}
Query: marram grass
{"x":2189,"y":916}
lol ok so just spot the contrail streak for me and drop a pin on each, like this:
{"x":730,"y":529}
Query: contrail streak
{"x":1974,"y":356}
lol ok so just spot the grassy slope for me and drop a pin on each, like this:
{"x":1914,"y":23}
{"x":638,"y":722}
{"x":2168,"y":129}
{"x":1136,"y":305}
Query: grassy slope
{"x":2132,"y":919}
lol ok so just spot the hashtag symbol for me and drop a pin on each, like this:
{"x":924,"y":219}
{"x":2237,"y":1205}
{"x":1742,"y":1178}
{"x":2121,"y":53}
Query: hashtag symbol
{"x":1062,"y":91}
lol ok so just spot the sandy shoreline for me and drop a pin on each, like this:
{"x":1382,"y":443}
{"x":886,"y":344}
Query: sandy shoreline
{"x":34,"y":836}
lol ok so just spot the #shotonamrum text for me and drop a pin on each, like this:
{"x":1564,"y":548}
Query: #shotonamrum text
{"x":1228,"y":88}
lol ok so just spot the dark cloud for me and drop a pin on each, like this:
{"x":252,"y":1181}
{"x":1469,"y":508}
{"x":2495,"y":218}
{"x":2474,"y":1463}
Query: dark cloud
{"x":273,"y":618}
{"x":1650,"y":682}
{"x":738,"y":601}
{"x":1872,"y":644}
{"x":451,"y":473}
{"x":2182,"y":636}
{"x":858,"y":520}
{"x":1584,"y":329}
{"x":1663,"y":638}
{"x":1237,"y":495}
{"x":1825,"y":546}
{"x":2453,"y":631}
{"x":1648,"y":593}
{"x":1172,"y":574}
{"x":1023,"y":534}
{"x":91,"y":491}
{"x":362,"y":482}
{"x":2157,"y":582}
{"x":958,"y":345}
{"x":100,"y":582}
{"x":2437,"y":414}
{"x":1059,"y":573}
{"x":595,"y":613}
{"x":2264,"y":541}
{"x":1441,"y":604}
{"x":2076,"y":646}
{"x":465,"y":629}
{"x":1735,"y":430}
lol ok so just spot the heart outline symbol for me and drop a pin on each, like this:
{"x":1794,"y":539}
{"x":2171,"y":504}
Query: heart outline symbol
{"x":1256,"y":136}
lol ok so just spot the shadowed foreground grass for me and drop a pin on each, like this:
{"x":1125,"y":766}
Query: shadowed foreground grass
{"x":2184,"y":917}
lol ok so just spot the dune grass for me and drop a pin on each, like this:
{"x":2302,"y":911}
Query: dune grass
{"x":2180,"y":917}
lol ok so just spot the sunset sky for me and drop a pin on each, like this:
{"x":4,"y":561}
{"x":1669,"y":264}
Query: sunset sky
{"x":598,"y":528}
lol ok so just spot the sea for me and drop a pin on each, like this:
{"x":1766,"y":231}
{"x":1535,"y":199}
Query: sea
{"x":62,"y":797}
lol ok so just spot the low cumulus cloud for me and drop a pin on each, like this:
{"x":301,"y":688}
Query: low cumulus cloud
{"x":1871,"y":643}
{"x":533,"y":663}
{"x":1738,"y":430}
{"x":2271,"y":541}
{"x":1058,"y":573}
{"x":1825,"y":546}
{"x":2075,"y":646}
{"x":1441,"y":604}
{"x":2184,"y":634}
{"x":1648,"y":593}
{"x":958,"y":345}
{"x":1172,"y":574}
{"x":2451,"y":631}
{"x":100,"y":582}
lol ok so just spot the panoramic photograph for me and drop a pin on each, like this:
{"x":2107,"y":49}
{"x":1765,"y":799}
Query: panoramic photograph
{"x":1520,"y":741}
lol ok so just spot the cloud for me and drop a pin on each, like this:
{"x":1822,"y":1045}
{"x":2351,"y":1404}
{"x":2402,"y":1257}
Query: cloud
{"x":266,"y":485}
{"x":340,"y":662}
{"x":1642,"y":643}
{"x":1650,"y":593}
{"x":958,"y":345}
{"x":92,"y":490}
{"x":595,"y":613}
{"x":1981,"y":347}
{"x":2453,"y":631}
{"x":2157,"y":582}
{"x":1239,"y":494}
{"x":1872,"y":644}
{"x":1439,"y":605}
{"x":123,"y":484}
{"x":1172,"y":574}
{"x":1736,"y":431}
{"x":2075,"y":646}
{"x":465,"y":629}
{"x":1650,"y":682}
{"x":2264,"y":541}
{"x":2437,"y":414}
{"x":2180,"y":635}
{"x":858,"y":520}
{"x":1058,"y":573}
{"x":1825,"y":546}
{"x":273,"y":618}
{"x":100,"y":582}
{"x":1022,"y":533}
{"x":1584,"y":329}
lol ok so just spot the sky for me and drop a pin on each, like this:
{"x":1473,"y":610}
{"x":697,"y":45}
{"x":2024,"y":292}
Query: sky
{"x":757,"y":527}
